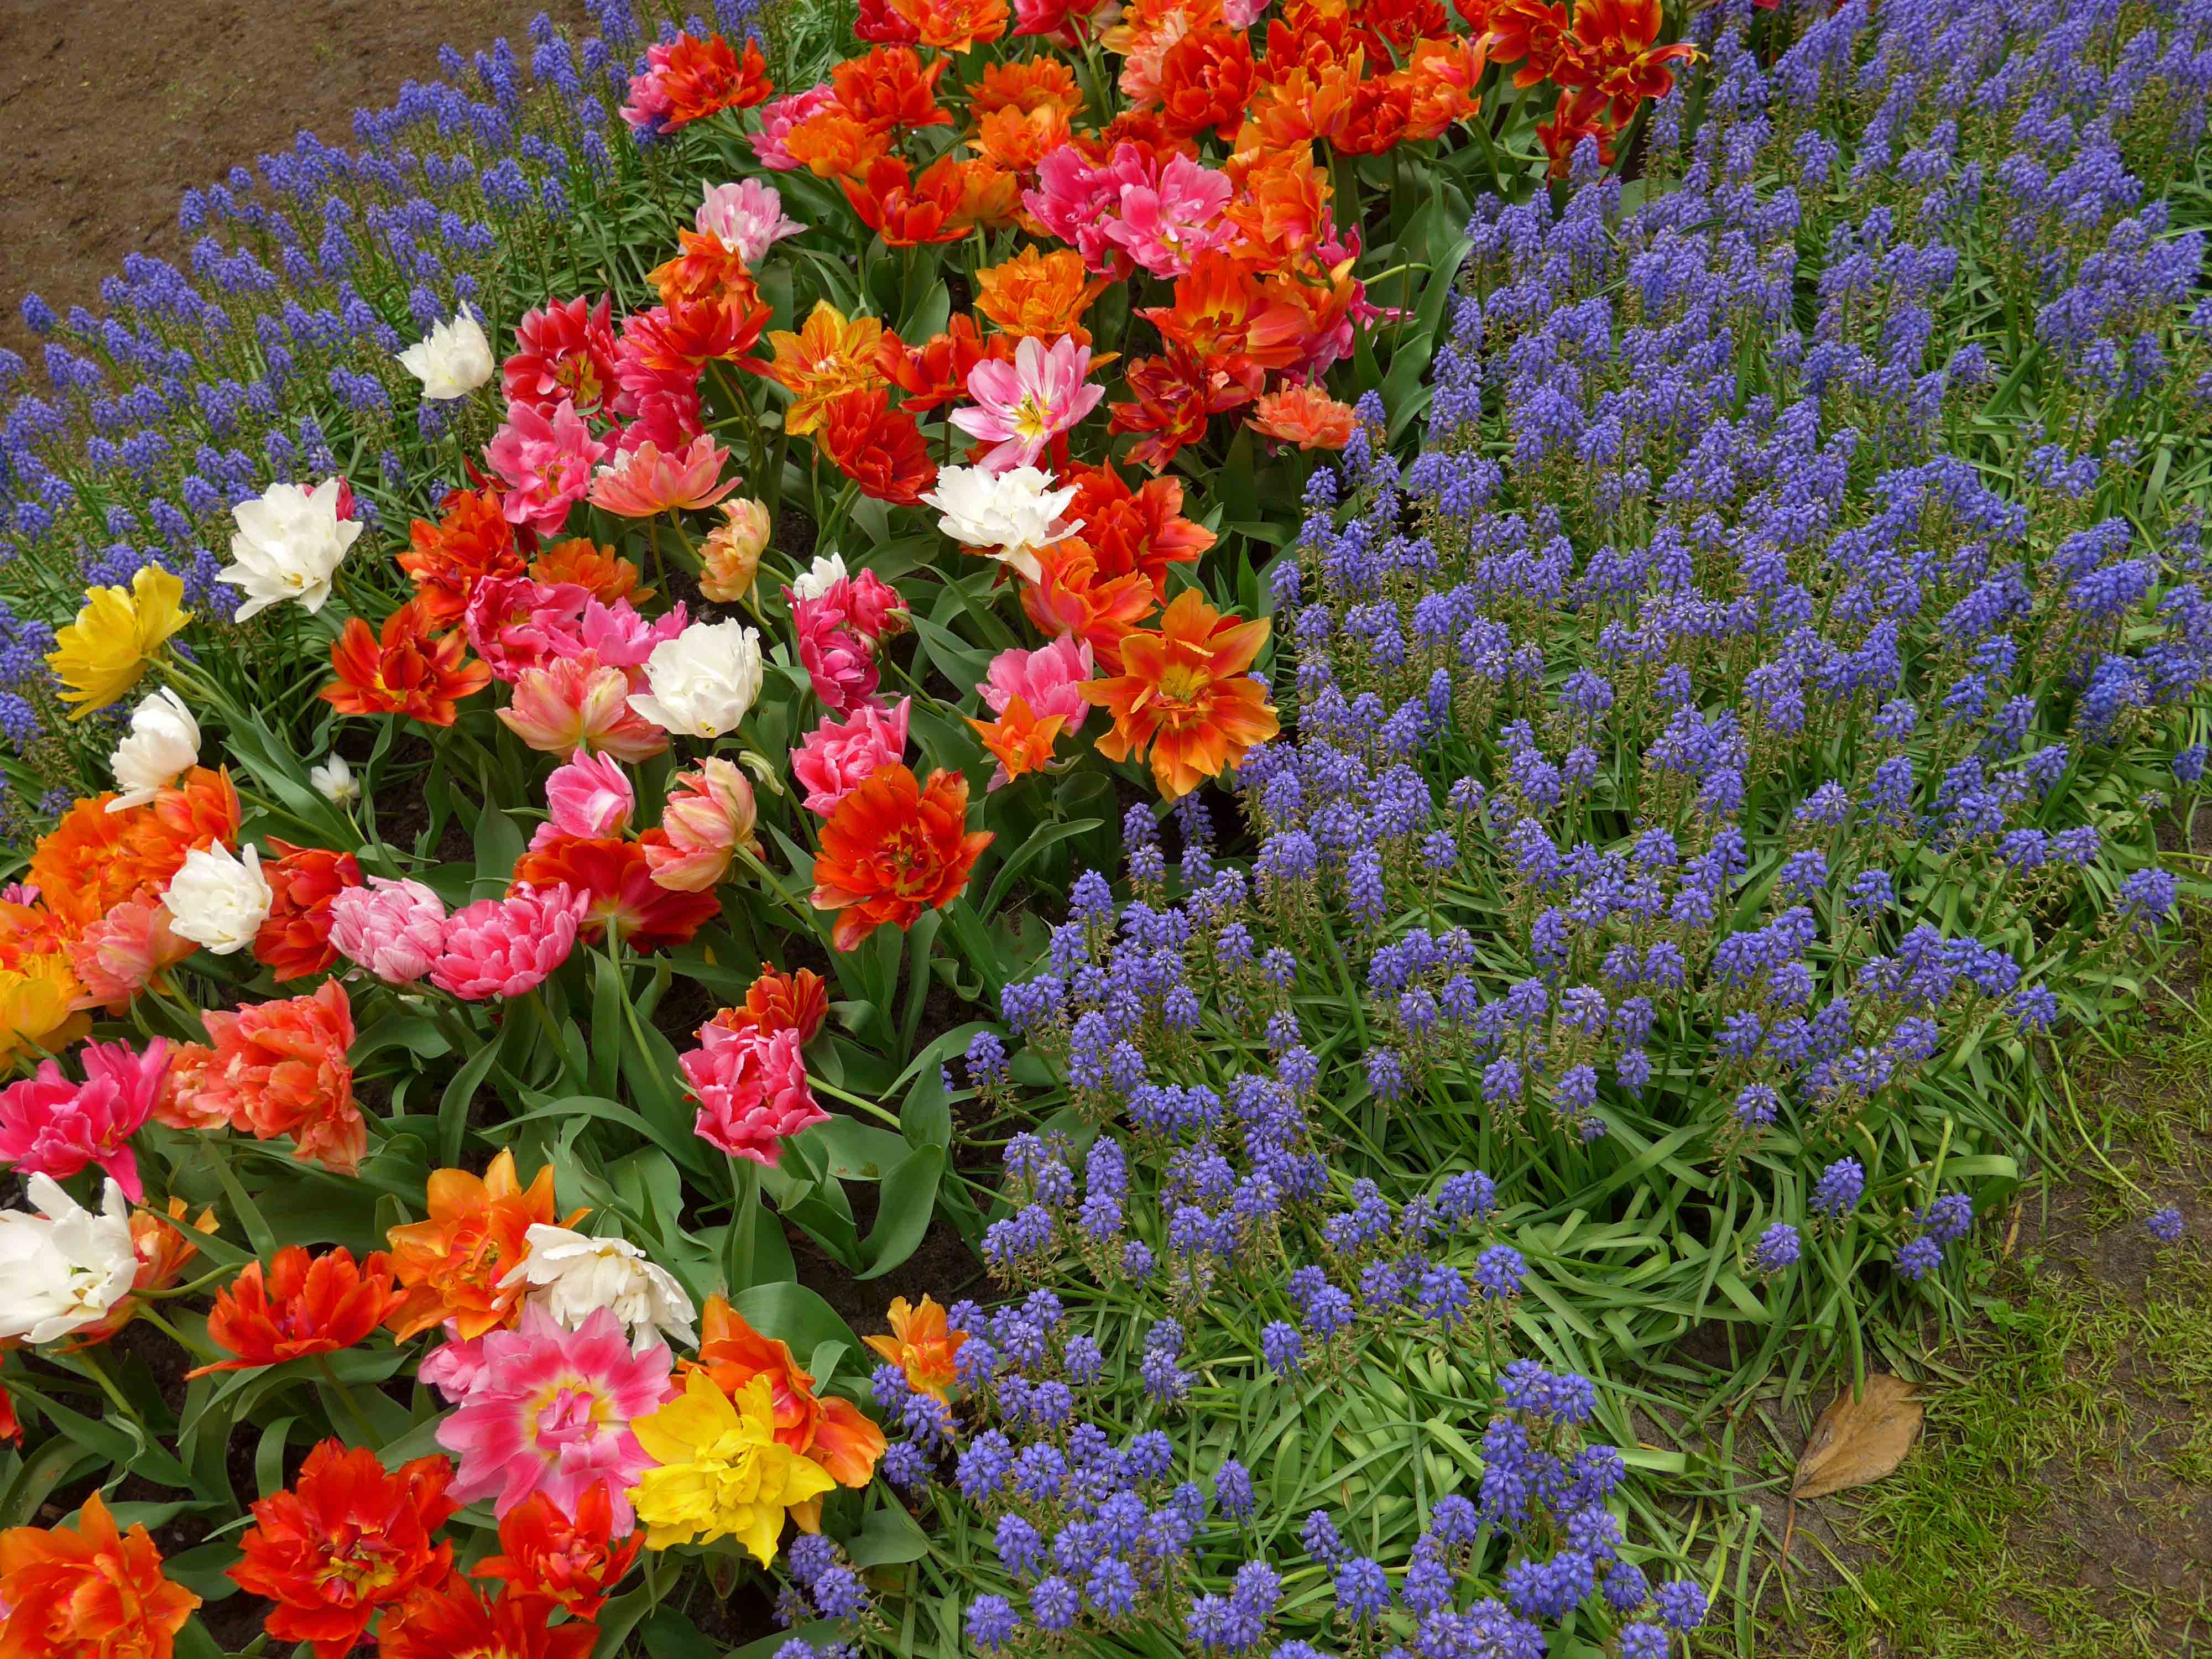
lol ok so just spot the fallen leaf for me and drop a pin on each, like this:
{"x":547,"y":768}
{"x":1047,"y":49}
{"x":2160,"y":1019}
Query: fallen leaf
{"x":1859,"y":1441}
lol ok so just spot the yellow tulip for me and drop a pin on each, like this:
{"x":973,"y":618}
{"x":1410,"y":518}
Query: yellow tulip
{"x":722,"y":1473}
{"x":36,"y":999}
{"x":105,"y":652}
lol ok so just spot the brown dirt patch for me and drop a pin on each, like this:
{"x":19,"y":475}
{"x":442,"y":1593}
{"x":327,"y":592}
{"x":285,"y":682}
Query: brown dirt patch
{"x":114,"y":107}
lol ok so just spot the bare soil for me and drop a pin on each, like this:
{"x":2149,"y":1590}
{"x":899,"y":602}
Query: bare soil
{"x":114,"y":107}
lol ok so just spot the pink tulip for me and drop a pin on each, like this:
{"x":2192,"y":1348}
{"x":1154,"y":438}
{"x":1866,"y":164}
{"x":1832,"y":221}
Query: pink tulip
{"x":581,"y":703}
{"x":872,"y":606}
{"x":51,"y":1126}
{"x":833,"y":760}
{"x":455,"y":1366}
{"x":645,"y":480}
{"x":507,"y":946}
{"x":752,"y":1090}
{"x":649,"y":104}
{"x":1076,"y":198}
{"x":746,"y":218}
{"x":589,"y":796}
{"x":710,"y":813}
{"x":550,"y":1411}
{"x":777,"y":118}
{"x":125,"y":951}
{"x":516,"y":624}
{"x":1024,"y":406}
{"x":1049,"y":679}
{"x":667,"y":418}
{"x":840,"y":662}
{"x":545,"y":462}
{"x":395,"y":929}
{"x":1164,"y":227}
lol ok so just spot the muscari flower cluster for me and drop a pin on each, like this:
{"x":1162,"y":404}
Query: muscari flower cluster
{"x":1094,"y":1530}
{"x":1686,"y":737}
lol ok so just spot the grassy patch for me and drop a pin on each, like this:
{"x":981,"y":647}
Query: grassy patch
{"x":2060,"y":1503}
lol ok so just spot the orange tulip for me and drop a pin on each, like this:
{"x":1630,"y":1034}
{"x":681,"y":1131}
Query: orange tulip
{"x":1306,"y":416}
{"x":600,"y":571}
{"x":471,"y":540}
{"x":891,"y":89}
{"x":922,"y":1344}
{"x":954,"y":25}
{"x":299,"y":1306}
{"x":451,"y":1265}
{"x":410,"y":671}
{"x":826,"y":356}
{"x":1018,"y":740}
{"x":1027,"y":85}
{"x":1186,"y":694}
{"x":908,"y":211}
{"x":1035,"y":293}
{"x":1071,"y":595}
{"x":877,"y":446}
{"x":834,"y":143}
{"x":893,"y":849}
{"x":92,"y":1592}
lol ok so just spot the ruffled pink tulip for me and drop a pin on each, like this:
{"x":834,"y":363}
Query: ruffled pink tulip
{"x":1049,"y":679}
{"x":871,"y":605}
{"x":1164,"y":227}
{"x":841,"y":663}
{"x":649,"y":104}
{"x":455,"y":1366}
{"x":516,"y":624}
{"x":50,"y":1126}
{"x":581,"y":703}
{"x":666,"y":418}
{"x":645,"y":480}
{"x":747,"y":218}
{"x":546,"y":462}
{"x":1076,"y":198}
{"x":709,"y":815}
{"x":550,"y":1411}
{"x":124,"y":952}
{"x":1024,"y":406}
{"x":504,"y":947}
{"x":833,"y":760}
{"x":777,"y":118}
{"x":395,"y":929}
{"x":752,"y":1090}
{"x":590,"y":796}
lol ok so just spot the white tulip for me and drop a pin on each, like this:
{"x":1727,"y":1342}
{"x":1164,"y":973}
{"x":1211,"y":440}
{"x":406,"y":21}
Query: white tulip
{"x":288,"y":545}
{"x":334,"y":782}
{"x":817,"y":579}
{"x":62,"y":1266}
{"x":162,"y":744}
{"x":452,"y":360}
{"x":703,"y":680}
{"x":572,"y":1276}
{"x":216,"y":900}
{"x":1008,"y":515}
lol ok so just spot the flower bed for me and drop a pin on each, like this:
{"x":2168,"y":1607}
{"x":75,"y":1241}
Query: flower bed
{"x":1648,"y":587}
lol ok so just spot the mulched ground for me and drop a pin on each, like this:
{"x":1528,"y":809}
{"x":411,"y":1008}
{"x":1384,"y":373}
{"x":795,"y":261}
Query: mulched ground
{"x":114,"y":108}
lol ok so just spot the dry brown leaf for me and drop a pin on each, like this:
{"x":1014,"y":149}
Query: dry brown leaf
{"x":1859,"y":1441}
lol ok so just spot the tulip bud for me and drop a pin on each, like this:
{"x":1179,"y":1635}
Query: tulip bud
{"x":732,"y":551}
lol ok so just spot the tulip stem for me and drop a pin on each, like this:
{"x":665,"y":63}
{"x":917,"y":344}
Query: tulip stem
{"x":744,"y":1221}
{"x":86,"y":1359}
{"x":362,"y":1427}
{"x":200,"y":1349}
{"x":835,"y":1093}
